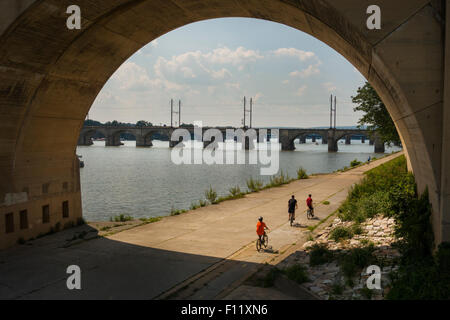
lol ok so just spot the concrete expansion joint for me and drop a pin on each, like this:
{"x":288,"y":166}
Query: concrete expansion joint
{"x":418,"y":111}
{"x":401,"y":24}
{"x":51,"y":74}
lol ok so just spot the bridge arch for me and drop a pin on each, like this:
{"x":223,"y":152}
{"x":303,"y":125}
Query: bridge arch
{"x":113,"y":136}
{"x":44,"y":65}
{"x":149,"y":136}
{"x":348,"y":135}
{"x":87,"y":134}
{"x":302,"y":135}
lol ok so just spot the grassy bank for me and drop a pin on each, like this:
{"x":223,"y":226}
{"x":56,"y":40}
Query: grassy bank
{"x":390,"y":189}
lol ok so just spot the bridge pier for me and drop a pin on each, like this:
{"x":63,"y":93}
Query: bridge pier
{"x":248,"y":144}
{"x":213,"y":143}
{"x":286,"y":140}
{"x":142,"y":141}
{"x":371,"y":141}
{"x":287,"y":146}
{"x":379,"y":145}
{"x":302,"y":139}
{"x":324,"y":140}
{"x":113,"y":140}
{"x":85,"y":140}
{"x":332,"y":142}
{"x":313,"y":139}
{"x":363,"y":139}
{"x":179,"y":143}
{"x":348,"y":140}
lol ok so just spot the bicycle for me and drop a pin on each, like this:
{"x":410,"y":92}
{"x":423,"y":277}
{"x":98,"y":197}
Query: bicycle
{"x":310,"y":213}
{"x":264,"y":242}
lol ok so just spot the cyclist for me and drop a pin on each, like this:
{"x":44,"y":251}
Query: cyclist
{"x":292,"y":205}
{"x":309,"y":203}
{"x":260,"y":229}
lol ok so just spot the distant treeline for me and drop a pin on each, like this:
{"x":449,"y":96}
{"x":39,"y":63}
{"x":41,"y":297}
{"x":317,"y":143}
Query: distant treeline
{"x":127,"y":136}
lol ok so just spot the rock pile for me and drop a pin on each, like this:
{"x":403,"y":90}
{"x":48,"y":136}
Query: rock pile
{"x":327,"y":281}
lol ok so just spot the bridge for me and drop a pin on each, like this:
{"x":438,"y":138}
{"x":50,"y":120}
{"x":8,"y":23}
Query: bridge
{"x":144,"y":136}
{"x":50,"y":76}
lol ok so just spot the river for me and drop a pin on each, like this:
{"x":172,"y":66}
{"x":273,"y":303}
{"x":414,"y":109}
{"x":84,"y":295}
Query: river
{"x":144,"y":182}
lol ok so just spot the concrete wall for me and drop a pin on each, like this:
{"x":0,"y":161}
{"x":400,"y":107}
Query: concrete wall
{"x":50,"y":76}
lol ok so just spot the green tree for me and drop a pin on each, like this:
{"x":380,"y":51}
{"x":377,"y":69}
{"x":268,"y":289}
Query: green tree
{"x":143,"y":123}
{"x":376,"y":117}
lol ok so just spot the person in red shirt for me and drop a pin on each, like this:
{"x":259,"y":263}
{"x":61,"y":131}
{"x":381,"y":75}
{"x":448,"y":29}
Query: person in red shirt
{"x":260,"y":228}
{"x":309,"y":203}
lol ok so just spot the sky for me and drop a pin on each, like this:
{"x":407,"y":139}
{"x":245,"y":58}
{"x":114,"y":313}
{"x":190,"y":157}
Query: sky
{"x":211,"y":65}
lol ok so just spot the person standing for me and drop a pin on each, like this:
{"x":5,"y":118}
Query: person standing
{"x":292,"y":205}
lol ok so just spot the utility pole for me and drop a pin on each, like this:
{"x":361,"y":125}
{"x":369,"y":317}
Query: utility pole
{"x":175,"y":112}
{"x":244,"y":111}
{"x":335,"y":112}
{"x":331,"y":112}
{"x":179,"y":113}
{"x":171,"y":113}
{"x":251,"y":111}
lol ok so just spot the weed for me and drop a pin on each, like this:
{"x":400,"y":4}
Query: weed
{"x":320,"y":254}
{"x":211,"y":195}
{"x":150,"y":220}
{"x":254,"y":185}
{"x":122,"y":218}
{"x":297,"y":273}
{"x":341,"y":233}
{"x":337,"y":288}
{"x":367,"y":293}
{"x":355,"y":163}
{"x":301,"y":174}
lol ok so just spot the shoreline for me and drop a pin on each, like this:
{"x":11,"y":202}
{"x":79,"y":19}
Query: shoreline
{"x":108,"y":228}
{"x":151,"y":192}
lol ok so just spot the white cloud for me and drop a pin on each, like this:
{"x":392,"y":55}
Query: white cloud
{"x":197,"y":64}
{"x":225,"y":55}
{"x":285,"y":81}
{"x":305,"y":73}
{"x":154,"y":43}
{"x":130,"y":75}
{"x":187,"y":72}
{"x":211,"y":89}
{"x":301,"y":91}
{"x":220,"y":74}
{"x":258,"y":96}
{"x":329,"y":86}
{"x":292,"y":52}
{"x":235,"y":85}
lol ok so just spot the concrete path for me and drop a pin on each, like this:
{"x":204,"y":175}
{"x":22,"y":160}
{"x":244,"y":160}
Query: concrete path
{"x":151,"y":261}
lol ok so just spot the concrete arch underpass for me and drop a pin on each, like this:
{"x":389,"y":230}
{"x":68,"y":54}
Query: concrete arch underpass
{"x":50,"y":76}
